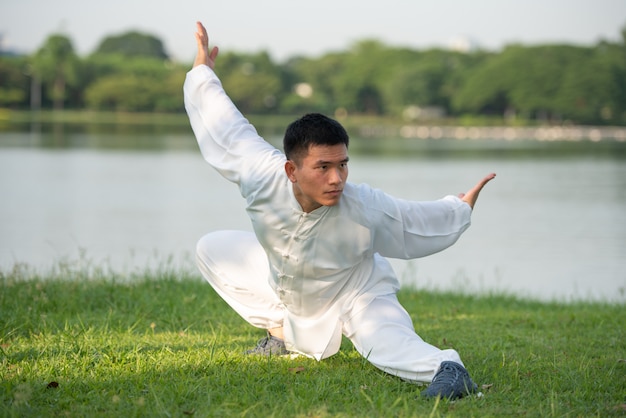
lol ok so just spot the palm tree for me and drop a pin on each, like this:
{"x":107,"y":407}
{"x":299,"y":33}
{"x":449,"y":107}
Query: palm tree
{"x":56,"y":64}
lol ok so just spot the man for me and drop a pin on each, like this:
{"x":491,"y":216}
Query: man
{"x":314,"y":269}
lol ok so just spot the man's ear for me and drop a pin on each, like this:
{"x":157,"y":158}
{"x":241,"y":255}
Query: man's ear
{"x":290,"y":169}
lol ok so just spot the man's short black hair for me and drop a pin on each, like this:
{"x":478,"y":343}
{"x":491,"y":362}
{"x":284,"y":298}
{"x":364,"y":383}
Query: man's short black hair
{"x":312,"y":129}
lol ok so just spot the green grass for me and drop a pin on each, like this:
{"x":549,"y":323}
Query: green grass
{"x":164,"y":344}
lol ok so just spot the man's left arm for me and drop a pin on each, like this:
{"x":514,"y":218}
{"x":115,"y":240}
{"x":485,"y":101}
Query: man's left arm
{"x":413,"y":229}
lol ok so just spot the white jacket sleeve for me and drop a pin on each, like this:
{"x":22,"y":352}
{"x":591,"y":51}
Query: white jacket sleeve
{"x":227,"y":141}
{"x":410,"y":229}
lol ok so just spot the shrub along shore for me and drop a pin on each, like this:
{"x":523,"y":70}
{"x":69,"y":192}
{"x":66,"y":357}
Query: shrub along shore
{"x":164,"y":344}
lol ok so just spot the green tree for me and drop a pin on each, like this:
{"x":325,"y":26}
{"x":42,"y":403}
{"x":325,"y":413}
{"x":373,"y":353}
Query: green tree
{"x":357,"y":88}
{"x":528,"y":80}
{"x":254,"y":82}
{"x":317,"y":74}
{"x":618,"y":71}
{"x":56,"y":64}
{"x":588,"y":92}
{"x":485,"y":89}
{"x":14,"y":83}
{"x":133,"y":44}
{"x":98,"y":66}
{"x":428,"y":78}
{"x":123,"y":83}
{"x":121,"y":93}
{"x":130,"y":92}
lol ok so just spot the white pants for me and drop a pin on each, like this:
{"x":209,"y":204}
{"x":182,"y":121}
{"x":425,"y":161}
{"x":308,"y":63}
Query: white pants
{"x":235,"y":264}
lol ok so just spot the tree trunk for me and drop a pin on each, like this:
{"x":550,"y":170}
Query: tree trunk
{"x":59,"y":93}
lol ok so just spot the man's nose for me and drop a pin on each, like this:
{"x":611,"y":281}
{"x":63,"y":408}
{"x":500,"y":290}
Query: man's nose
{"x":335,"y":176}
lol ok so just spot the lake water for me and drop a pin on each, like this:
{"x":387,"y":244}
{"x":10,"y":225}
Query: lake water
{"x":552,"y":225}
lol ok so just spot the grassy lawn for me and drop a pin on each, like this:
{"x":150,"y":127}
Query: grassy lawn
{"x":159,"y":344}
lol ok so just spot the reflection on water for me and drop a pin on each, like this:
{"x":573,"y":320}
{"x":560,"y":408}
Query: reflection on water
{"x":547,"y":227}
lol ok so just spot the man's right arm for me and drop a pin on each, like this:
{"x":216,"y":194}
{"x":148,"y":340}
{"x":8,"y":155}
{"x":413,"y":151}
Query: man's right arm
{"x":227,"y":141}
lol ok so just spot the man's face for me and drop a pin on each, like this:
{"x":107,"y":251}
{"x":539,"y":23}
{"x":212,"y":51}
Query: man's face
{"x":320,"y":177}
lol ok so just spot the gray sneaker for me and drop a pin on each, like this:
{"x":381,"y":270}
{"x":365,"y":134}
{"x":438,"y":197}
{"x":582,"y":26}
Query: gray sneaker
{"x":269,"y":346}
{"x":451,"y":381}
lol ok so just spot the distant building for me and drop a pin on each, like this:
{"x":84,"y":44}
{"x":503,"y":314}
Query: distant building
{"x":423,"y":112}
{"x":4,"y":48}
{"x":462,"y":44}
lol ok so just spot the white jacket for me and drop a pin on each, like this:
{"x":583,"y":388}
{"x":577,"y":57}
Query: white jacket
{"x":327,"y":262}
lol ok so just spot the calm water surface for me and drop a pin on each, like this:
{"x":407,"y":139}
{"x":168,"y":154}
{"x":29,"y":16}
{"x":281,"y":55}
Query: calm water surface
{"x":546,"y":228}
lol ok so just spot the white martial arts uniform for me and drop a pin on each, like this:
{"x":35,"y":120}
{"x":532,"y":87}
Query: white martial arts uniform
{"x":319,"y":274}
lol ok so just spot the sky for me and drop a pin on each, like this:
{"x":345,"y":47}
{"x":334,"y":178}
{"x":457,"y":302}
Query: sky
{"x":288,"y":28}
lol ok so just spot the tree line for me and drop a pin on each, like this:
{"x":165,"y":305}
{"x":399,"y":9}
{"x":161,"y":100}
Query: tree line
{"x":131,"y":72}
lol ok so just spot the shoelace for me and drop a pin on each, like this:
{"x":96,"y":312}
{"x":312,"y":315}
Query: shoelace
{"x":446,"y":378}
{"x":263,"y":342}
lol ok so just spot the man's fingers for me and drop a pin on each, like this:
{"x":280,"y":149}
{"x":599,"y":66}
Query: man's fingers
{"x":201,"y":34}
{"x":201,"y":29}
{"x":214,"y":53}
{"x":488,"y":178}
{"x":484,"y":181}
{"x":472,"y":195}
{"x":204,"y":56}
